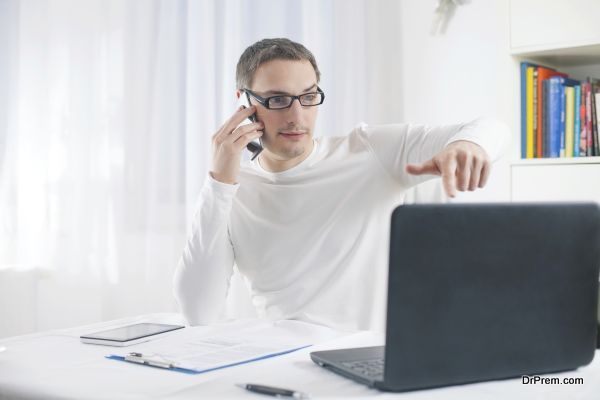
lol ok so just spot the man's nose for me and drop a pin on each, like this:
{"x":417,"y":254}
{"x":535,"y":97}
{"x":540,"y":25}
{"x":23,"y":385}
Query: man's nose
{"x":295,"y":110}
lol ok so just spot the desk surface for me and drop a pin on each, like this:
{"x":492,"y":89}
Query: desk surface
{"x":56,"y":365}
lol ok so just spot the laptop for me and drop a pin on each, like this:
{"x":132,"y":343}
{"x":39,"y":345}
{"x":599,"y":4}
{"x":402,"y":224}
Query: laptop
{"x":481,"y":292}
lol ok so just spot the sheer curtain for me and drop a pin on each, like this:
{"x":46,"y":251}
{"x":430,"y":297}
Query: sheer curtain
{"x":106,"y":112}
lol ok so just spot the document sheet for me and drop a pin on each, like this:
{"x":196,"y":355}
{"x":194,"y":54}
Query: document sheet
{"x":200,"y":349}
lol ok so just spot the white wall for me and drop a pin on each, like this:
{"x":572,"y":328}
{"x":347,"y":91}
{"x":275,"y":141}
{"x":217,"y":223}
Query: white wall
{"x":450,"y":78}
{"x":443,"y":79}
{"x":460,"y":75}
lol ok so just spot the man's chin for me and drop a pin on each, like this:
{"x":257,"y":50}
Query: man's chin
{"x":282,"y":148}
{"x":292,"y":152}
{"x":289,"y":151}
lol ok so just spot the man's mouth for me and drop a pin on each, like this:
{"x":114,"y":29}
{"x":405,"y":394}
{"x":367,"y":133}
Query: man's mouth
{"x":293,"y":135}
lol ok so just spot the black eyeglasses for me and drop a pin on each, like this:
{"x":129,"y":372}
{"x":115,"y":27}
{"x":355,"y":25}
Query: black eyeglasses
{"x":285,"y":101}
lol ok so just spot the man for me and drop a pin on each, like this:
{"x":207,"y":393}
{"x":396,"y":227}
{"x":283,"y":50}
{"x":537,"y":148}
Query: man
{"x":307,"y":222}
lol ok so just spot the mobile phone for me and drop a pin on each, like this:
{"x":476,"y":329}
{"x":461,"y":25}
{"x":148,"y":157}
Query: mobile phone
{"x":128,"y":335}
{"x":255,"y":146}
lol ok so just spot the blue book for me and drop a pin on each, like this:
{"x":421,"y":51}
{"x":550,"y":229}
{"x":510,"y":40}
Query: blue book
{"x":563,"y":112}
{"x":524,"y":66}
{"x":562,"y":83}
{"x":577,"y":133}
{"x":546,"y":113}
{"x":561,"y":94}
{"x":554,"y":116}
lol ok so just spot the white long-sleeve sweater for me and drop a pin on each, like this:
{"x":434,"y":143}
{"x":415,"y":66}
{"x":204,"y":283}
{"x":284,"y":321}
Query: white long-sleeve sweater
{"x":313,"y":241}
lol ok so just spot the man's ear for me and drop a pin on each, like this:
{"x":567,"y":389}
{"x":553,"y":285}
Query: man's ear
{"x":238,"y":93}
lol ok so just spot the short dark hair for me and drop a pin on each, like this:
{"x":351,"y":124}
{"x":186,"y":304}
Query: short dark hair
{"x":267,"y":50}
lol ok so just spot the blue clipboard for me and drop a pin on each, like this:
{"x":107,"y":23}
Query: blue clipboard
{"x":138,"y":358}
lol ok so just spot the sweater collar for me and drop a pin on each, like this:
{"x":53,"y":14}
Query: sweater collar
{"x":304,"y":164}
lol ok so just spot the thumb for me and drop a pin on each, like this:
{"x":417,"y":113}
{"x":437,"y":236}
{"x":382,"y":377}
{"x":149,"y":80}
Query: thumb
{"x":427,"y":167}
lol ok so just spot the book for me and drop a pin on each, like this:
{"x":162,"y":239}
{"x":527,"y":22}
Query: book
{"x":543,"y":73}
{"x":569,"y":121}
{"x":553,"y":110}
{"x":545,"y":117}
{"x":596,"y":144}
{"x":561,"y":113}
{"x":583,"y":139}
{"x":524,"y":66}
{"x":534,"y":109}
{"x":529,"y":112}
{"x":577,"y":122}
{"x":595,"y":88}
{"x":565,"y":83}
{"x":588,"y":119}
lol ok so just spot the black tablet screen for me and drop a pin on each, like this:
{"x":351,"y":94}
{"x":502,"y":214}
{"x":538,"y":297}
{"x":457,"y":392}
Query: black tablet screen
{"x":132,"y":332}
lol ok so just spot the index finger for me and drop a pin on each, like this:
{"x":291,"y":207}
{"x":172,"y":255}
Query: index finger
{"x":449,"y":177}
{"x":237,"y":118}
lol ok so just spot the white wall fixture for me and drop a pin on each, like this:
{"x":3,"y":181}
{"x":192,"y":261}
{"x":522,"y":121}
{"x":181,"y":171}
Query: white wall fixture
{"x":444,"y":13}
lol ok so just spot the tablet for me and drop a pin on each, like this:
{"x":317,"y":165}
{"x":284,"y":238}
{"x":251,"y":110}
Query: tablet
{"x":130,"y":334}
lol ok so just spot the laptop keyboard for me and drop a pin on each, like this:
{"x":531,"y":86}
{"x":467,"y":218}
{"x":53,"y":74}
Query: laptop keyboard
{"x":370,"y":368}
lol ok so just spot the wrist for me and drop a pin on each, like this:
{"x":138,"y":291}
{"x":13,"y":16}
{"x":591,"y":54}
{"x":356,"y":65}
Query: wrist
{"x":222,"y":179}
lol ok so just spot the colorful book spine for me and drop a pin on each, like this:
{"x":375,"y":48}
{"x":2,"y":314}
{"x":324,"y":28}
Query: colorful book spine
{"x":545,"y":117}
{"x":534,"y":109}
{"x":561,"y":105}
{"x":569,"y":139}
{"x":596,"y":144}
{"x":577,"y":123}
{"x":524,"y":66}
{"x":553,"y":110}
{"x":529,"y":113}
{"x":543,"y":73}
{"x":583,"y":141}
{"x":559,"y":115}
{"x":588,"y":119}
{"x":569,"y":121}
{"x":595,"y":120}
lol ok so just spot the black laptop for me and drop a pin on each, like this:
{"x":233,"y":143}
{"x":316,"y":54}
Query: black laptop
{"x":483,"y":292}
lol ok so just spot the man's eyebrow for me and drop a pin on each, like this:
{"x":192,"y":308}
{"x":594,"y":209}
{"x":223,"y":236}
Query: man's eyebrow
{"x":278,"y":92}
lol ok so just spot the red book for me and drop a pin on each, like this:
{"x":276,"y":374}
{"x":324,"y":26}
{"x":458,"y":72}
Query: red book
{"x":543,"y":73}
{"x":588,"y":119}
{"x":582,"y":145}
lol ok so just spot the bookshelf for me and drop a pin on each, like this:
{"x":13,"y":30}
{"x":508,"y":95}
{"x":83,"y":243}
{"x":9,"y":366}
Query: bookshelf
{"x":565,"y":35}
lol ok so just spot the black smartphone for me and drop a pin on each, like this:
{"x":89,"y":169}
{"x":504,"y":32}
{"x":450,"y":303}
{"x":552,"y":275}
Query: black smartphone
{"x":255,"y":146}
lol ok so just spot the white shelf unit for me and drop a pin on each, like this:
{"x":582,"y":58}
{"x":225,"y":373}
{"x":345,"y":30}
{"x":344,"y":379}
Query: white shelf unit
{"x":563,"y":34}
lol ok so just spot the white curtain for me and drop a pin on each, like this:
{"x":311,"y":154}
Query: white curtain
{"x":106,"y":112}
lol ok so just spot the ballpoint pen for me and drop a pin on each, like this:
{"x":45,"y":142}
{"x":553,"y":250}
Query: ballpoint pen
{"x":140,"y":359}
{"x":273,"y":391}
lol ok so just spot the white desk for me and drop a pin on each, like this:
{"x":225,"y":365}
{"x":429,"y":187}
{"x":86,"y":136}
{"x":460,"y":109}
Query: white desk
{"x":55,"y":365}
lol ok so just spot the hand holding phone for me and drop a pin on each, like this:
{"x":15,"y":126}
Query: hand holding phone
{"x":254,"y":147}
{"x":230,"y":141}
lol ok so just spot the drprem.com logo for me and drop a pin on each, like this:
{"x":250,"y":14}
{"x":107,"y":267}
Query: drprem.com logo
{"x":536,"y":379}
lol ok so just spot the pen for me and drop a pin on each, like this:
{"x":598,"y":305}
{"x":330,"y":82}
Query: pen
{"x":272,"y":391}
{"x":138,"y":358}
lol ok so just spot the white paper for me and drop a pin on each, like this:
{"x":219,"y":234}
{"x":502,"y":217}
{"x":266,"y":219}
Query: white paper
{"x":200,"y":350}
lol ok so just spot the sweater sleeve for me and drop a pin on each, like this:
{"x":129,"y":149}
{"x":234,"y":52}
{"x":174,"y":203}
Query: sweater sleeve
{"x":201,"y":280}
{"x":396,"y":145}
